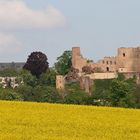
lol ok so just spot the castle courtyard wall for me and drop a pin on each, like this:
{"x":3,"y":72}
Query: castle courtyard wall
{"x":111,"y":75}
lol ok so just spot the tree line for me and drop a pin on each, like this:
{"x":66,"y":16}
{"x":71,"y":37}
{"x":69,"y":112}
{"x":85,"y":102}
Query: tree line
{"x":40,"y":85}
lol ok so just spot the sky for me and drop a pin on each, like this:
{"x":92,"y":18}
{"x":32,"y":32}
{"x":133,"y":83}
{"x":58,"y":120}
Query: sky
{"x":99,"y":27}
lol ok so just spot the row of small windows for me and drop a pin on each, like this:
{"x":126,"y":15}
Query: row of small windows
{"x":109,"y":62}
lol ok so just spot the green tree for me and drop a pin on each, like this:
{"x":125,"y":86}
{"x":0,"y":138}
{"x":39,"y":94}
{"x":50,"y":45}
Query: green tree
{"x":40,"y":89}
{"x":48,"y":78}
{"x":39,"y":93}
{"x":122,"y":93}
{"x":101,"y":89}
{"x":77,"y":97}
{"x":74,"y":95}
{"x":37,"y":63}
{"x":28,"y":78}
{"x":137,"y":95}
{"x":27,"y":92}
{"x":64,"y":63}
{"x":101,"y":93}
{"x":10,"y":94}
{"x":9,"y":72}
{"x":47,"y":94}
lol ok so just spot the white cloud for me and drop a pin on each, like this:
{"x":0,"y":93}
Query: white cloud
{"x":16,"y":14}
{"x":9,"y":44}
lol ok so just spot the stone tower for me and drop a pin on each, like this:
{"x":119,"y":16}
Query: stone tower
{"x":128,"y":59}
{"x":77,"y":60}
{"x":75,"y":54}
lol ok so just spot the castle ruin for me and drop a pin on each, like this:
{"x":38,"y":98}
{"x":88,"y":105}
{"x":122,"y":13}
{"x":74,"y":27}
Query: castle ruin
{"x":127,"y":62}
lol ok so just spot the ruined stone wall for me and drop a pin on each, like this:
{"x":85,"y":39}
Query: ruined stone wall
{"x":127,"y":62}
{"x":60,"y":82}
{"x":109,"y":75}
{"x":77,"y":60}
{"x":128,"y":59}
{"x":132,"y":75}
{"x":108,"y":64}
{"x":86,"y":84}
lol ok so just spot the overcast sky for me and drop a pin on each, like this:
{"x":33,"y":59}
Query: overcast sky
{"x":99,"y":27}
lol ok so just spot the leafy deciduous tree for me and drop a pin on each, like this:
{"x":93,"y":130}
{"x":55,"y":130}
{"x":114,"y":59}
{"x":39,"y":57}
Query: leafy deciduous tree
{"x":28,"y":78}
{"x":122,"y":93}
{"x":48,"y":78}
{"x":64,"y":63}
{"x":36,"y":63}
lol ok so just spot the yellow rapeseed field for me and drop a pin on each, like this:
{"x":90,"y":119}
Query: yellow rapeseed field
{"x":42,"y":121}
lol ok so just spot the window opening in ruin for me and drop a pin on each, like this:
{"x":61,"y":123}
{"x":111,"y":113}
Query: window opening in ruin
{"x":106,"y":62}
{"x":107,"y":69}
{"x":123,"y":54}
{"x":111,"y":62}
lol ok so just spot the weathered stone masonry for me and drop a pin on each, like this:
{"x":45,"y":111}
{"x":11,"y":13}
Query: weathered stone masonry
{"x":127,"y":61}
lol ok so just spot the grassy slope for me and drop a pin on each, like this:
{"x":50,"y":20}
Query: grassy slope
{"x":35,"y":121}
